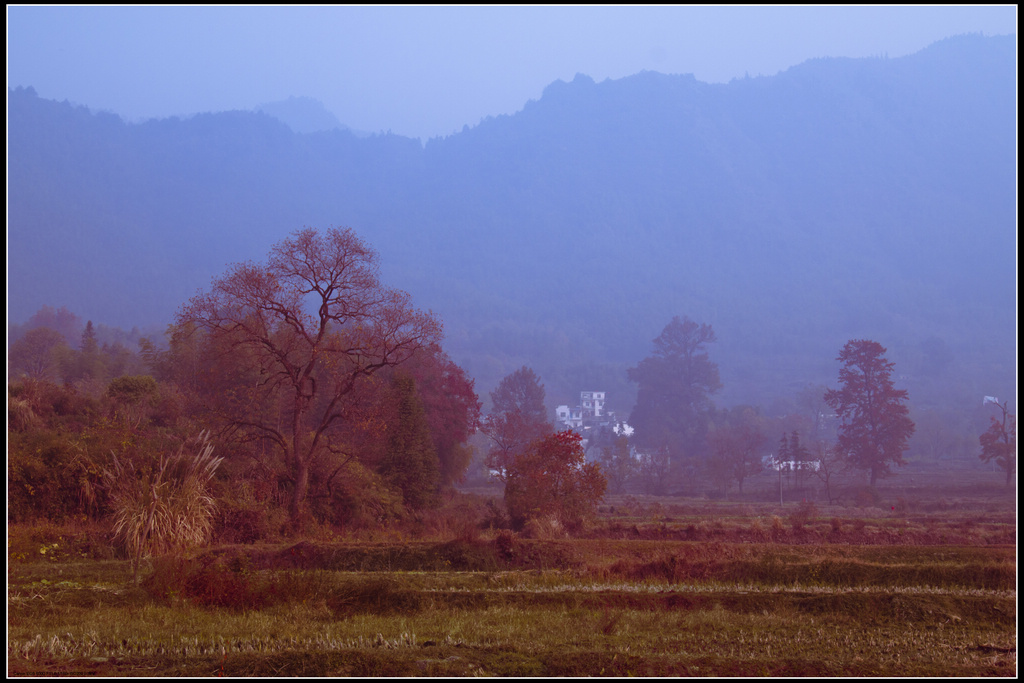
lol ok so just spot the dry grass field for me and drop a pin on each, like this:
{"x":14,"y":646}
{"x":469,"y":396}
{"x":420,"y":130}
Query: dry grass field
{"x":920,"y":581}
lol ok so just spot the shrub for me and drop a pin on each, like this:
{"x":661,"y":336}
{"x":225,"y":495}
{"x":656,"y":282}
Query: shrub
{"x":495,"y":516}
{"x":229,"y":581}
{"x":34,"y":404}
{"x":866,"y":496}
{"x":806,"y":511}
{"x":361,"y":499}
{"x":235,"y":522}
{"x":547,"y":527}
{"x":166,"y":509}
{"x":505,"y":543}
{"x":20,"y":415}
{"x":458,"y":517}
{"x":134,"y":397}
{"x":209,"y":581}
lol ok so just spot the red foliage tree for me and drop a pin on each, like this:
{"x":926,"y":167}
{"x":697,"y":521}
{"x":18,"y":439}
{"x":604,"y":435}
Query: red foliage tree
{"x":875,"y":425}
{"x":517,"y":420}
{"x":551,"y":477}
{"x":307,"y":327}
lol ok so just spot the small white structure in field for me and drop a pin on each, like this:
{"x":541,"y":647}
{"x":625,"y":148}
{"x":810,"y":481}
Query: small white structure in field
{"x":771,"y":463}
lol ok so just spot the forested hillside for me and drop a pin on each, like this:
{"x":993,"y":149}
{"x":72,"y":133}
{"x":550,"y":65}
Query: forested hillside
{"x":843,"y":198}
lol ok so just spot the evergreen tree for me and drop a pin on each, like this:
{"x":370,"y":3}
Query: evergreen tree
{"x":783,"y":454}
{"x":797,"y":452}
{"x":87,"y":363}
{"x":410,"y":463}
{"x":89,"y":344}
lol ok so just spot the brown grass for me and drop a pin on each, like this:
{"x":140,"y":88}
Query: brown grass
{"x":685,"y":587}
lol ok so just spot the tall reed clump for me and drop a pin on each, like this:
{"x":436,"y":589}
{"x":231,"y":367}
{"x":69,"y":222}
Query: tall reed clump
{"x":168,"y":509}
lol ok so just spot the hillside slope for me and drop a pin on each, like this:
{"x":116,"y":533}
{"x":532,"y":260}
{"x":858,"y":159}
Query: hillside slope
{"x":843,"y":198}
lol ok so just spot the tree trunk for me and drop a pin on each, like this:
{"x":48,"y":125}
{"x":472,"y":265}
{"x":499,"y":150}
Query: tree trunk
{"x":301,"y":488}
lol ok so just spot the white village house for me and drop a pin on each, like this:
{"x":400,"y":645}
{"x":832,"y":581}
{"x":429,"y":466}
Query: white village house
{"x":591,"y":412}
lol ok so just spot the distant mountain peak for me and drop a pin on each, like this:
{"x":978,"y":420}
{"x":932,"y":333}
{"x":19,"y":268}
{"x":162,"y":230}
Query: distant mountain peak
{"x":302,"y":114}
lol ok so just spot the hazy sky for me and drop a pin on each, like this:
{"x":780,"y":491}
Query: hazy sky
{"x":427,"y":71}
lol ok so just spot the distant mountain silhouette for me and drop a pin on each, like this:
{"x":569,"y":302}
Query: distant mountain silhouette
{"x":842,"y":198}
{"x":304,"y":115}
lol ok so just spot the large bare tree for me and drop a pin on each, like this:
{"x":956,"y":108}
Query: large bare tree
{"x":309,"y":325}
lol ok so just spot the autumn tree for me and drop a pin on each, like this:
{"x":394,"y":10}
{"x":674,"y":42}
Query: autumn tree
{"x":999,"y":442}
{"x":451,"y":410}
{"x":552,"y":478}
{"x":875,"y":426}
{"x":38,"y":354}
{"x":61,"y":320}
{"x":674,"y":391}
{"x":617,"y":463}
{"x":736,"y":442}
{"x":517,"y":419}
{"x":303,"y":330}
{"x":652,"y":471}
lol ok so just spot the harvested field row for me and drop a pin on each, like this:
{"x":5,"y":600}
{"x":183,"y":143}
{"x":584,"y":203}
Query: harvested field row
{"x":747,"y":636}
{"x":503,"y":604}
{"x":991,"y":568}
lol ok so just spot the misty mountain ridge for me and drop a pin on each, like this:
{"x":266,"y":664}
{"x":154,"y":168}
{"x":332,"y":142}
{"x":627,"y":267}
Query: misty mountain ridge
{"x":305,"y":115}
{"x":842,"y":198}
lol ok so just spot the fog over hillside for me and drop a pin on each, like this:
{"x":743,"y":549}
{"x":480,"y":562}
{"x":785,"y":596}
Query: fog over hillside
{"x":841,"y":199}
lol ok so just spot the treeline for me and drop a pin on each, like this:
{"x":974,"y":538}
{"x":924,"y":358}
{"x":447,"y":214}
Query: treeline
{"x":76,"y":410}
{"x":679,"y":442}
{"x":68,"y":425}
{"x":328,"y":395}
